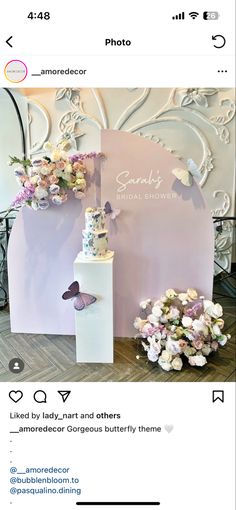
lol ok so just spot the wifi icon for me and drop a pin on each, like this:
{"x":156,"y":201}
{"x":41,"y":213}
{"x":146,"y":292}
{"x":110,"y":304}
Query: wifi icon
{"x":193,"y":14}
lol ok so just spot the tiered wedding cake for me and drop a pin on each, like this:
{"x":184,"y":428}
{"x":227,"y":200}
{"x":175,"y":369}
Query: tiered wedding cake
{"x":95,"y":236}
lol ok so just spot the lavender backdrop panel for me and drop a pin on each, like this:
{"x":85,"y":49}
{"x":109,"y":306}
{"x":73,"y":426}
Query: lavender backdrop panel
{"x":42,"y":248}
{"x":164,"y":235}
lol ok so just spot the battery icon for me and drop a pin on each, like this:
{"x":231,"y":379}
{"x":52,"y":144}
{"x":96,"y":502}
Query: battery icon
{"x":210,"y":15}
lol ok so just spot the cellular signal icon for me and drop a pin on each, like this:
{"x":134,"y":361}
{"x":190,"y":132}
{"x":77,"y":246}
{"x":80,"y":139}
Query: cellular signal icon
{"x":181,"y":15}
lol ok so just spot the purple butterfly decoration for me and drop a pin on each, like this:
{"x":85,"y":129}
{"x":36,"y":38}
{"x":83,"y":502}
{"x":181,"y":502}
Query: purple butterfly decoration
{"x":81,"y":300}
{"x":112,"y":212}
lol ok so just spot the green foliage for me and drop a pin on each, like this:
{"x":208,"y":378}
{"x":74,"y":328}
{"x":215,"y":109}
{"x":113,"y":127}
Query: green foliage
{"x":24,"y":162}
{"x":62,"y":183}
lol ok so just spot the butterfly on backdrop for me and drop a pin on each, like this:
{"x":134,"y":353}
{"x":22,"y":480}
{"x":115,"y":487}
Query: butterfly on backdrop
{"x":81,"y":300}
{"x":185,"y":175}
{"x":112,"y":212}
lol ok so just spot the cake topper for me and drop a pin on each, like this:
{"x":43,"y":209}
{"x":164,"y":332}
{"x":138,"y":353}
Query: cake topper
{"x":186,"y":175}
{"x":112,"y":212}
{"x":81,"y":300}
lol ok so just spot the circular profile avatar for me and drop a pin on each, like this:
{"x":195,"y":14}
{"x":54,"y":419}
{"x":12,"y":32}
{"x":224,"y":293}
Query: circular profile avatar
{"x":15,"y":71}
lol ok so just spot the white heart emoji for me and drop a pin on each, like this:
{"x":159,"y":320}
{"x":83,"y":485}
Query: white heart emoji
{"x":169,"y":428}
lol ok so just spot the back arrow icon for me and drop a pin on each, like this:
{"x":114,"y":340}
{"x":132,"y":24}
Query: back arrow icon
{"x":215,"y":37}
{"x":7,"y":41}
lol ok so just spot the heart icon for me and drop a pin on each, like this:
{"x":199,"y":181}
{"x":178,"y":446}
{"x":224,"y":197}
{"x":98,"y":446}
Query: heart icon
{"x":16,"y":396}
{"x":169,"y":428}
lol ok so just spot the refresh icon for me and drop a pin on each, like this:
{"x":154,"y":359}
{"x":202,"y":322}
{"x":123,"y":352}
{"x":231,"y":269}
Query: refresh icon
{"x":220,"y":39}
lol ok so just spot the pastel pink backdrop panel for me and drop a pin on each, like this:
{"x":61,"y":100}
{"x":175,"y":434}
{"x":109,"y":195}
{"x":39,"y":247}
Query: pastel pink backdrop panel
{"x":163,"y":236}
{"x":41,"y":252}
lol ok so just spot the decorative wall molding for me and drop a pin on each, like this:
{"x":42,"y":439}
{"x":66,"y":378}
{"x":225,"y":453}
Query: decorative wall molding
{"x":205,"y":114}
{"x":223,"y":232}
{"x":35,"y":146}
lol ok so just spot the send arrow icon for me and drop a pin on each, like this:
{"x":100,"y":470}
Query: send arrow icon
{"x":64,"y":395}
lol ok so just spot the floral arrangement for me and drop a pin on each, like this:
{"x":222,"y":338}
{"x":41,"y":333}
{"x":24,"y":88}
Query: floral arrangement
{"x":178,"y":326}
{"x":46,"y":179}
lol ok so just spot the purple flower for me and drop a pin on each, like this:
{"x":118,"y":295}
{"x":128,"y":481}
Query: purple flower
{"x":37,"y":162}
{"x":43,"y":204}
{"x":22,"y":196}
{"x":29,"y":186}
{"x":194,"y":310}
{"x":80,"y":156}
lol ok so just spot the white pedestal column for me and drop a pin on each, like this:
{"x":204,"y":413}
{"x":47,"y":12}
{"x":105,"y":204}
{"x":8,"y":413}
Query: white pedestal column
{"x":94,"y":324}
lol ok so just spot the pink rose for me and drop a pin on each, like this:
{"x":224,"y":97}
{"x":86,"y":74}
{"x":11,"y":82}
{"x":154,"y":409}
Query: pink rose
{"x":60,"y":165}
{"x":214,"y":345}
{"x":198,"y":344}
{"x":79,"y":167}
{"x":23,"y":178}
{"x":53,"y":179}
{"x":183,"y":344}
{"x":149,"y":330}
{"x":43,"y":183}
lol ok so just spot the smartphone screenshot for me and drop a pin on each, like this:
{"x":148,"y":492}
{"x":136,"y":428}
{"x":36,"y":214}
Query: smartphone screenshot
{"x":117,"y":255}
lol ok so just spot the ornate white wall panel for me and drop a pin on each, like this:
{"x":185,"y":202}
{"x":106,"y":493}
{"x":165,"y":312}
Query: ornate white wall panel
{"x":196,"y":123}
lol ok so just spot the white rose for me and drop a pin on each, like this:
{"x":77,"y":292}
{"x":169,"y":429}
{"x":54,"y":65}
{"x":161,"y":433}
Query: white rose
{"x":170,"y":293}
{"x":198,"y":360}
{"x":172,"y":346}
{"x":214,"y":311}
{"x":222,"y":341}
{"x":45,"y":170}
{"x":183,"y":296}
{"x":144,"y":304}
{"x":189,"y":351}
{"x":177,"y":363}
{"x":48,"y":146}
{"x":19,"y":171}
{"x":165,"y":365}
{"x":152,"y":354}
{"x":43,"y":204}
{"x":164,"y":319}
{"x":200,"y":326}
{"x":40,"y":192}
{"x":139,"y":323}
{"x":166,"y":356}
{"x":34,"y":179}
{"x":217,"y":311}
{"x":57,"y":199}
{"x":186,"y":321}
{"x":174,"y":313}
{"x":216,"y":330}
{"x":54,"y":189}
{"x":163,"y":299}
{"x":66,"y":145}
{"x":68,"y":169}
{"x":206,"y":350}
{"x":56,"y":155}
{"x":192,"y":293}
{"x":153,"y":320}
{"x":189,"y":335}
{"x":34,"y":205}
{"x":157,"y":311}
